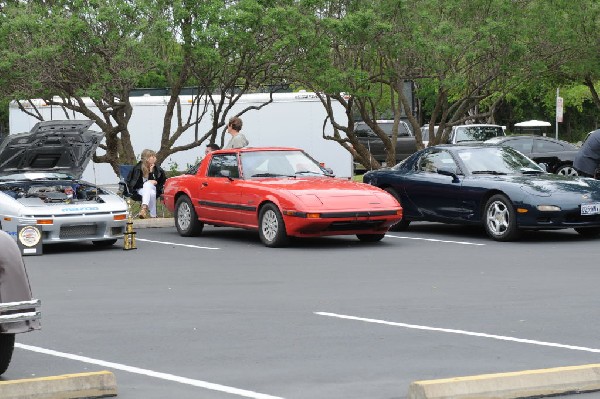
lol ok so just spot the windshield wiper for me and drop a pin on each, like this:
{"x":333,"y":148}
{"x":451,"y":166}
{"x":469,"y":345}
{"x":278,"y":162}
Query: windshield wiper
{"x":529,"y":171}
{"x":269,"y":175}
{"x":303,"y":172}
{"x":487,"y":172}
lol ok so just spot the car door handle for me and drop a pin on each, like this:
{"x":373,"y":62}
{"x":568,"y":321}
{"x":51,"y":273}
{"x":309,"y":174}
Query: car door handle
{"x":204,"y":184}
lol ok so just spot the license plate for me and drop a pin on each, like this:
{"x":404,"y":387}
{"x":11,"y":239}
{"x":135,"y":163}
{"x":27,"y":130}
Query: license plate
{"x":590,"y":209}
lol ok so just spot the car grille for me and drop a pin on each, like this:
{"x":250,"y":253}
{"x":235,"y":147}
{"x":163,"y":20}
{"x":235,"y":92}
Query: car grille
{"x":80,"y":230}
{"x":357,"y":225}
{"x":115,"y":231}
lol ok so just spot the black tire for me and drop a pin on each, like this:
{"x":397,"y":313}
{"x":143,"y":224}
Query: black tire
{"x":402,"y":225}
{"x":566,"y":170}
{"x":499,"y":219}
{"x":588,"y":231}
{"x":7,"y":345}
{"x":271,"y":228}
{"x":104,"y":243}
{"x":370,"y":237}
{"x":186,"y":219}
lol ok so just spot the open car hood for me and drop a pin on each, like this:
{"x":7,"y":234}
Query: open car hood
{"x":51,"y":146}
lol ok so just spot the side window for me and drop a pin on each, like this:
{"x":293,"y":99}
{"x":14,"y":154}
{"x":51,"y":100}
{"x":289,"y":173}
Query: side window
{"x":523,"y":145}
{"x":546,"y":146}
{"x":434,"y":160}
{"x":225,"y":165}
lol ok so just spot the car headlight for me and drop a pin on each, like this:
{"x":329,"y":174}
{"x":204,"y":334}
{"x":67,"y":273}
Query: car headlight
{"x":548,"y":208}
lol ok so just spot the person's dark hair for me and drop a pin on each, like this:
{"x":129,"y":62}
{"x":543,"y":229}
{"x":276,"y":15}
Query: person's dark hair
{"x":213,"y":146}
{"x":236,"y":123}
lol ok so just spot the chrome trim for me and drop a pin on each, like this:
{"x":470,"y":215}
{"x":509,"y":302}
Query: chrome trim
{"x":23,"y":316}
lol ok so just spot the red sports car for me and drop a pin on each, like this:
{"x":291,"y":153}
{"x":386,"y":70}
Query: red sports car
{"x":280,"y":192}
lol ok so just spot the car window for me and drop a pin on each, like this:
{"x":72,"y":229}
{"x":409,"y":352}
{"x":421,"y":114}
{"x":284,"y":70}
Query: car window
{"x":361,"y":129}
{"x":496,"y":160}
{"x":437,"y":159}
{"x":523,"y":145}
{"x":477,"y":133}
{"x":547,"y":146}
{"x":223,"y":165}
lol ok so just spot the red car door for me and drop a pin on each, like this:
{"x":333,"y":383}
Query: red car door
{"x":219,"y":193}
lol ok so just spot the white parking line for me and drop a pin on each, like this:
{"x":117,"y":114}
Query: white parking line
{"x":434,"y":240}
{"x":174,"y":243}
{"x":462,"y":332}
{"x":150,"y":373}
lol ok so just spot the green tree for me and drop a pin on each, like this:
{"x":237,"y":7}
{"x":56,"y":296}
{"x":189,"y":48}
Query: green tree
{"x":63,"y":52}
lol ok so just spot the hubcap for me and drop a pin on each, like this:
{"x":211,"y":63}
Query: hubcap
{"x":184,"y":216}
{"x":497,"y":218}
{"x":568,"y":171}
{"x":270,"y":225}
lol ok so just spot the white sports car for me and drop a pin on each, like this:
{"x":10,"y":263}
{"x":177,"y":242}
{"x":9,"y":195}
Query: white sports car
{"x":41,"y":196}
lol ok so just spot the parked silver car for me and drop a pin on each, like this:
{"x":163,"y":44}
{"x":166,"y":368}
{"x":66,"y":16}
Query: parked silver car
{"x":40,"y":187}
{"x":19,"y":312}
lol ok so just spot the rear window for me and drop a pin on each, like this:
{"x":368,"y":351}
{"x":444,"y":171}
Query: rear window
{"x":361,"y":129}
{"x":477,"y":133}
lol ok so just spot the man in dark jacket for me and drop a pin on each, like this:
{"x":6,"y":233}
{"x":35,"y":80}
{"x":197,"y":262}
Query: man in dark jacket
{"x":587,"y":159}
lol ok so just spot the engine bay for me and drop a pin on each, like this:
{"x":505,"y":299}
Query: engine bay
{"x":54,"y":191}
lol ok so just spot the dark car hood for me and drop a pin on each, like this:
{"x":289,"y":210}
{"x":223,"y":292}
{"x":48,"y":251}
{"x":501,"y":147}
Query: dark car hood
{"x":550,"y":184}
{"x":52,"y":146}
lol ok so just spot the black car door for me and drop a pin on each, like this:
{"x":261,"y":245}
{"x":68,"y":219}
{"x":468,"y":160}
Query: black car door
{"x":436,"y":196}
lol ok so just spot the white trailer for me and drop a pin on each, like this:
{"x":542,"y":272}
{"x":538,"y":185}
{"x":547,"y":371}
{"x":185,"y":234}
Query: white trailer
{"x":291,"y":120}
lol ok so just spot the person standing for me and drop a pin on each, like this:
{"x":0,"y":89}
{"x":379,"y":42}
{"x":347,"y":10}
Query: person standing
{"x":587,"y":159}
{"x":238,"y":140}
{"x":148,"y":180}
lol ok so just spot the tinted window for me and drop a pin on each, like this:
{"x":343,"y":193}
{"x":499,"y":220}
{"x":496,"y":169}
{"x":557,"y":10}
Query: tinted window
{"x":547,"y":146}
{"x":436,"y":159}
{"x":523,"y":145}
{"x":223,"y":165}
{"x":361,"y":129}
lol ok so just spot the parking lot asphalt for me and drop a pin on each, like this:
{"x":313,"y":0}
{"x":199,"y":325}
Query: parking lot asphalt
{"x":221,"y":316}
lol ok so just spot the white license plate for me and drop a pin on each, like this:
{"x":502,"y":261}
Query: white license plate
{"x":590,"y":209}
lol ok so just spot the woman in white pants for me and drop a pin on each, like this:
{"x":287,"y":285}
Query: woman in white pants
{"x":147,"y":179}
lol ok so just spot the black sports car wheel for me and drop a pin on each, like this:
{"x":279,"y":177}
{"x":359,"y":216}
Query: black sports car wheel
{"x":370,"y":237}
{"x":402,"y":224}
{"x":186,"y":220}
{"x":589,"y":231}
{"x":7,"y":345}
{"x":567,"y":170}
{"x":271,"y":228}
{"x":500,"y":221}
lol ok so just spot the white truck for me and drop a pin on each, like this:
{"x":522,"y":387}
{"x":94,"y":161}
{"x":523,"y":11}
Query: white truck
{"x":291,"y":120}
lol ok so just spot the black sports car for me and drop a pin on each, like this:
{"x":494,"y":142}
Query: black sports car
{"x":558,"y":155}
{"x":490,"y":185}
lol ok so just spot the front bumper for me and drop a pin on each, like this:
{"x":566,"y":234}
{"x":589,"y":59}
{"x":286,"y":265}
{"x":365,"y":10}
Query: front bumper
{"x":22,"y":316}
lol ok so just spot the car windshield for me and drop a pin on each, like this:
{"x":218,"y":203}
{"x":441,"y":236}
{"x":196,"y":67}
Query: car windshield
{"x":497,"y":161}
{"x":477,"y":133}
{"x":279,"y":163}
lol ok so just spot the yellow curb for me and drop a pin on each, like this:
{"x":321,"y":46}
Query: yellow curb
{"x":68,"y":386}
{"x":528,"y":383}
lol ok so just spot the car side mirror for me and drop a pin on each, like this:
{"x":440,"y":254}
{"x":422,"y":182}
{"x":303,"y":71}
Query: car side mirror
{"x":448,"y":172}
{"x":543,"y":166}
{"x":328,"y":171}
